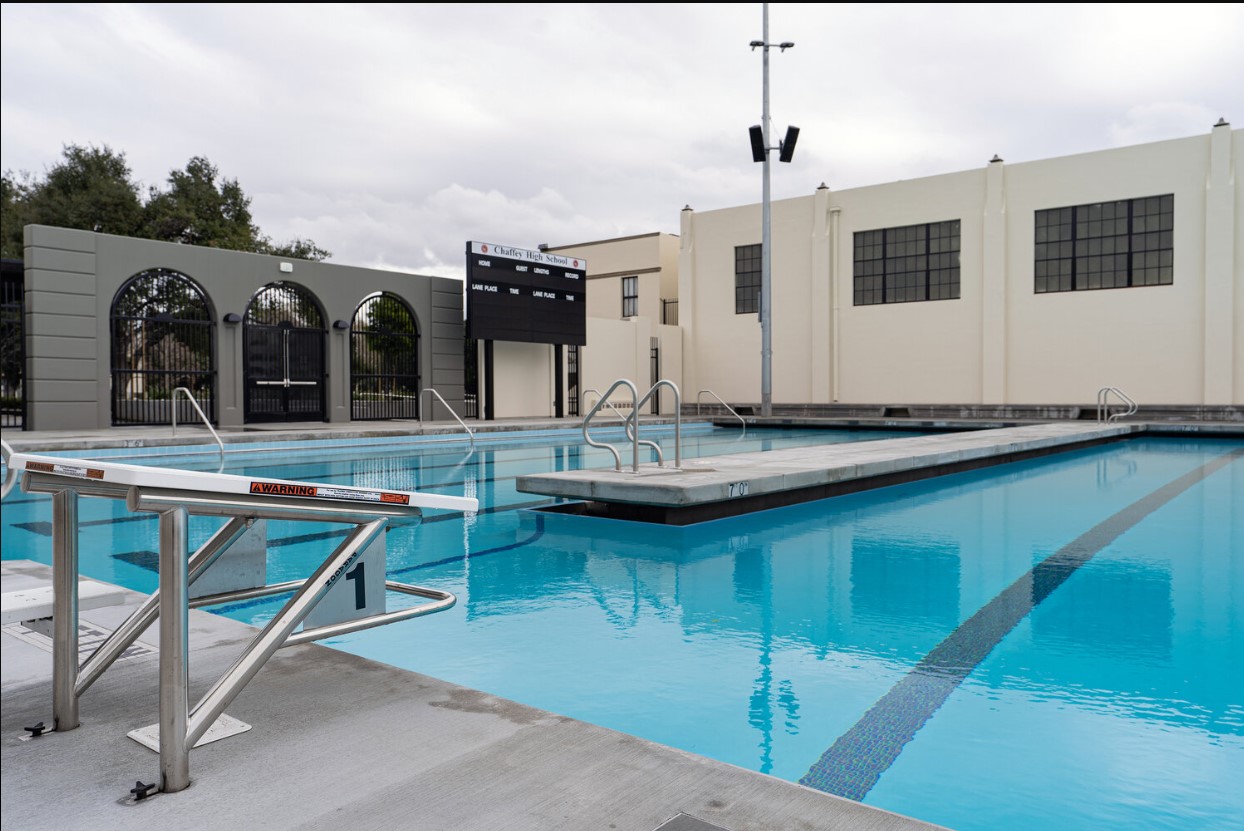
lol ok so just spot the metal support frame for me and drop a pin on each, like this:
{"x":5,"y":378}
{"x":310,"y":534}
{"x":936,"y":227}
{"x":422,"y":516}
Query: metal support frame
{"x":181,"y":725}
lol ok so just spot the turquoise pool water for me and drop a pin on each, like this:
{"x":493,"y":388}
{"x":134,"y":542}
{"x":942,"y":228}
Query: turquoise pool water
{"x":1048,"y":644}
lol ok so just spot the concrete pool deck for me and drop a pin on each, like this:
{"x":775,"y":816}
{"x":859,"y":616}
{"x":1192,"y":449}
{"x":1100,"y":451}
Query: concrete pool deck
{"x":338,"y":741}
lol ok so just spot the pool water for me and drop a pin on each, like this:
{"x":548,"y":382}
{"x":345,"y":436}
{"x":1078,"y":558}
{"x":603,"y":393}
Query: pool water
{"x":1056,"y":643}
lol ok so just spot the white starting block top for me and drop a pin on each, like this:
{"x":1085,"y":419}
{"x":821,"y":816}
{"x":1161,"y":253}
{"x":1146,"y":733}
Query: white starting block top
{"x":226,"y":483}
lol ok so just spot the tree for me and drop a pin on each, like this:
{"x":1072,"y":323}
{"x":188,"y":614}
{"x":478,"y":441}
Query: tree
{"x":295,"y":249}
{"x":14,"y":213}
{"x":196,"y":210}
{"x":92,"y":189}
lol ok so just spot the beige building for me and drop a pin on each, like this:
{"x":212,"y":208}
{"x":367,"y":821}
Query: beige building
{"x":1033,"y":283}
{"x":632,"y":290}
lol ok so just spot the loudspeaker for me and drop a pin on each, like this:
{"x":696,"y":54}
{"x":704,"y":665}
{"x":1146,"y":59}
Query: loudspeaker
{"x":787,"y":146}
{"x":758,"y":143}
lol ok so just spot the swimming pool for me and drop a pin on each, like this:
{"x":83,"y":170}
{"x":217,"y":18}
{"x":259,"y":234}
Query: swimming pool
{"x":1051,"y":643}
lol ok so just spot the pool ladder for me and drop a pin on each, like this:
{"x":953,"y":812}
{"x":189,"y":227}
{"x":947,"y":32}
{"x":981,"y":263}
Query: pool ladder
{"x":632,"y":423}
{"x":1104,"y":416}
{"x":202,"y":417}
{"x":723,"y":403}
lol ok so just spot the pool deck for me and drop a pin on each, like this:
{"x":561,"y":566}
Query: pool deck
{"x":338,"y":741}
{"x":711,"y":488}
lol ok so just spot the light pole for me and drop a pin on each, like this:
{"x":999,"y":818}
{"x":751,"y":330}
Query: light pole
{"x":760,"y":153}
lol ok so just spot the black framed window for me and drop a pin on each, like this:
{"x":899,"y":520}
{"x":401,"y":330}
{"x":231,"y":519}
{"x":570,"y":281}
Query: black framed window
{"x":630,"y":296}
{"x":746,"y":279}
{"x":1105,"y":245}
{"x":907,"y":264}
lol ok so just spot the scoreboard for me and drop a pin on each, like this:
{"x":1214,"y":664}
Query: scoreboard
{"x":519,"y":295}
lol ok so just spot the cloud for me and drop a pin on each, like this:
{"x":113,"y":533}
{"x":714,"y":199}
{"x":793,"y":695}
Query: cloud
{"x":392,"y":134}
{"x":1161,"y":120}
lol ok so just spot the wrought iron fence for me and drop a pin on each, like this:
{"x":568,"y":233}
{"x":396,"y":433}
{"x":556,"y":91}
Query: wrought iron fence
{"x":13,"y":346}
{"x":163,"y":337}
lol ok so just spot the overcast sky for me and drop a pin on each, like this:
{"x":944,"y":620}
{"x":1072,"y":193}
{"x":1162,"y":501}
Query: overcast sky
{"x":391,"y":135}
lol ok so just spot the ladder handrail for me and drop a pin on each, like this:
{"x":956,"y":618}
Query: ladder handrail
{"x":626,"y":421}
{"x":190,"y":397}
{"x":664,"y":382}
{"x":723,"y":403}
{"x":470,"y":432}
{"x":1103,"y":405}
{"x":634,"y":437}
{"x":10,"y":477}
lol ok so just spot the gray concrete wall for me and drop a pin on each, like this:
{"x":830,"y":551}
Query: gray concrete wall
{"x":72,"y":278}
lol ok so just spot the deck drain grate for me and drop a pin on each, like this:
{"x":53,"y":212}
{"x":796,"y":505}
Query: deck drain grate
{"x":89,"y":638}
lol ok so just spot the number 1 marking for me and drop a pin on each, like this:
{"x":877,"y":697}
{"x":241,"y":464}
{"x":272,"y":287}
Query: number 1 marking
{"x":360,"y":588}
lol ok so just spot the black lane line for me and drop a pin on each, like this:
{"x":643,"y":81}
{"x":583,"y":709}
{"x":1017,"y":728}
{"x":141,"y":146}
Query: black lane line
{"x":45,"y":528}
{"x":537,"y":534}
{"x":852,"y":766}
{"x":150,"y":559}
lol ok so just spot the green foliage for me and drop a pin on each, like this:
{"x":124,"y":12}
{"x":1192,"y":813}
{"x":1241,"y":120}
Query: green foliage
{"x":199,"y":210}
{"x":390,"y":341}
{"x":295,"y":249}
{"x":14,"y":213}
{"x":92,"y":189}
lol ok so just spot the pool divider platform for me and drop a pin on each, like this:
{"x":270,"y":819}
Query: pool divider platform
{"x":721,"y":486}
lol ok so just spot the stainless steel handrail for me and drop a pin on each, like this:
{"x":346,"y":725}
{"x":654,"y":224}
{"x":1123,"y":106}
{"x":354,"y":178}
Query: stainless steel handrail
{"x":629,"y":429}
{"x":723,"y":403}
{"x":180,"y":725}
{"x":10,"y":476}
{"x":634,"y":437}
{"x":1103,"y":405}
{"x":677,"y":415}
{"x":190,"y":397}
{"x":451,"y":412}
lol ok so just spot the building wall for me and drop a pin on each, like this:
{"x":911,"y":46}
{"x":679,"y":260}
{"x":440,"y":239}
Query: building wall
{"x":999,"y":342}
{"x":616,"y":347}
{"x":653,"y":258}
{"x":72,"y":278}
{"x":523,"y":380}
{"x":621,"y":349}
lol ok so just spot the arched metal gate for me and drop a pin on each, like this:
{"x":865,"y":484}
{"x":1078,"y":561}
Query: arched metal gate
{"x":163,"y":337}
{"x":284,"y":341}
{"x":384,"y":360}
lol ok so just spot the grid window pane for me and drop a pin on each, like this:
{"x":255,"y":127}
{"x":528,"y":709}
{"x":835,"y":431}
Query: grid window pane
{"x":907,"y":264}
{"x":1106,"y":245}
{"x":630,"y":296}
{"x":746,"y":279}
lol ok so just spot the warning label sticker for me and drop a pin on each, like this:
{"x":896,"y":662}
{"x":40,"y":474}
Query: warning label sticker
{"x":290,"y":489}
{"x":66,"y":470}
